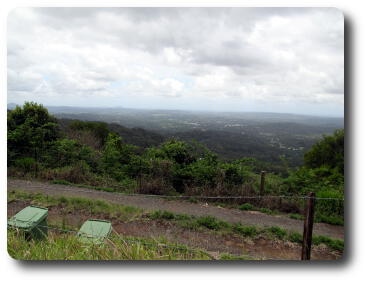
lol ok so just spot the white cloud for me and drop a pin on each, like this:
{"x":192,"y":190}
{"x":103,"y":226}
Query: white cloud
{"x":231,"y":57}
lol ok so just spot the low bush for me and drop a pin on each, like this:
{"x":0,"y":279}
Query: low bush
{"x":246,"y":206}
{"x":295,"y":237}
{"x":277,"y":232}
{"x":156,"y":186}
{"x":266,"y":210}
{"x":247,"y":231}
{"x":330,"y":219}
{"x":159,"y":214}
{"x":26,"y":164}
{"x":333,"y":243}
{"x":211,"y":222}
{"x":78,"y":173}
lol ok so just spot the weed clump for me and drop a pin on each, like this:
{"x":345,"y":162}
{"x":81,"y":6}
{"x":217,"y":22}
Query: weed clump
{"x":277,"y":232}
{"x":247,"y":231}
{"x":295,"y":237}
{"x":266,"y":211}
{"x":159,"y":214}
{"x":246,"y":206}
{"x":211,"y":223}
{"x":333,"y":243}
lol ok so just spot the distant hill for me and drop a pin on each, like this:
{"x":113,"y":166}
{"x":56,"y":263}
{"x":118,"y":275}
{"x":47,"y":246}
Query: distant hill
{"x":136,"y":136}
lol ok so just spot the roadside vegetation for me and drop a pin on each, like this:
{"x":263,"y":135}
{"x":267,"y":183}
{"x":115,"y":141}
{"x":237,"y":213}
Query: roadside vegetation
{"x":68,"y":247}
{"x":96,"y":208}
{"x":69,"y":204}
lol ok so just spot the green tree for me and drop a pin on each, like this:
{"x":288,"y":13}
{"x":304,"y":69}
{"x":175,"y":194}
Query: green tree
{"x":329,"y":152}
{"x":97,"y":129}
{"x":178,"y":151}
{"x":30,"y":130}
{"x":65,"y":152}
{"x":116,"y":155}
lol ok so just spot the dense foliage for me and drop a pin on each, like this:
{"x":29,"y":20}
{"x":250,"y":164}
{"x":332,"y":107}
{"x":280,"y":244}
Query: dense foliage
{"x":30,"y":131}
{"x":92,"y":153}
{"x":329,"y":152}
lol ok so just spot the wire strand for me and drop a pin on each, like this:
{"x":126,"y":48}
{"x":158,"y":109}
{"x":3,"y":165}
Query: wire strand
{"x":200,"y":197}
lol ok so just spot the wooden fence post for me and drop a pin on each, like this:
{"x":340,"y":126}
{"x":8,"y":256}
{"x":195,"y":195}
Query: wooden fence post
{"x":308,"y":226}
{"x":262,"y":183}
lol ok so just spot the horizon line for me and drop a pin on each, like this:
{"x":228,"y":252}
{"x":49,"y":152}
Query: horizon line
{"x":187,"y":110}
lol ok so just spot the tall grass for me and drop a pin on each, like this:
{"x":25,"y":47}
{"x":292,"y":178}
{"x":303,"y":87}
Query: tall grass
{"x":68,"y":247}
{"x":92,"y":206}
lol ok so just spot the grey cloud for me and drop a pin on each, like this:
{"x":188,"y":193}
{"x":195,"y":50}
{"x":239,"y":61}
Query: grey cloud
{"x":259,"y":52}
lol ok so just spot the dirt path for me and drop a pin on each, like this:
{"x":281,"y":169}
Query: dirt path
{"x":196,"y":209}
{"x":213,"y":243}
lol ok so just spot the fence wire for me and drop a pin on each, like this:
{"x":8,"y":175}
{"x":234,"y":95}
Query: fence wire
{"x":95,"y":191}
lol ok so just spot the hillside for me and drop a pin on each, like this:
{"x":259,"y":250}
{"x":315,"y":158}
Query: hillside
{"x":135,"y":136}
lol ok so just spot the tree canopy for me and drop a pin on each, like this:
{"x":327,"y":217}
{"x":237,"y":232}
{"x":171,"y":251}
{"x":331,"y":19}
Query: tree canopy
{"x":328,"y":152}
{"x":30,"y":129}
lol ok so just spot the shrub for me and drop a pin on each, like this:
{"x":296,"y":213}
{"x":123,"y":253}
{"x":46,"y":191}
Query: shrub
{"x":26,"y":164}
{"x":203,"y":172}
{"x":156,"y":186}
{"x":277,"y":232}
{"x":178,"y":151}
{"x":333,"y":243}
{"x":334,"y":220}
{"x":247,"y":231}
{"x":246,"y":206}
{"x":211,"y":222}
{"x":78,"y":173}
{"x":159,"y":214}
{"x":330,"y":207}
{"x":295,"y":237}
{"x":232,"y":175}
{"x":266,"y":210}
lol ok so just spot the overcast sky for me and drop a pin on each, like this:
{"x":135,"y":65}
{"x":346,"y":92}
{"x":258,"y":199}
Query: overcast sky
{"x":240,"y":59}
